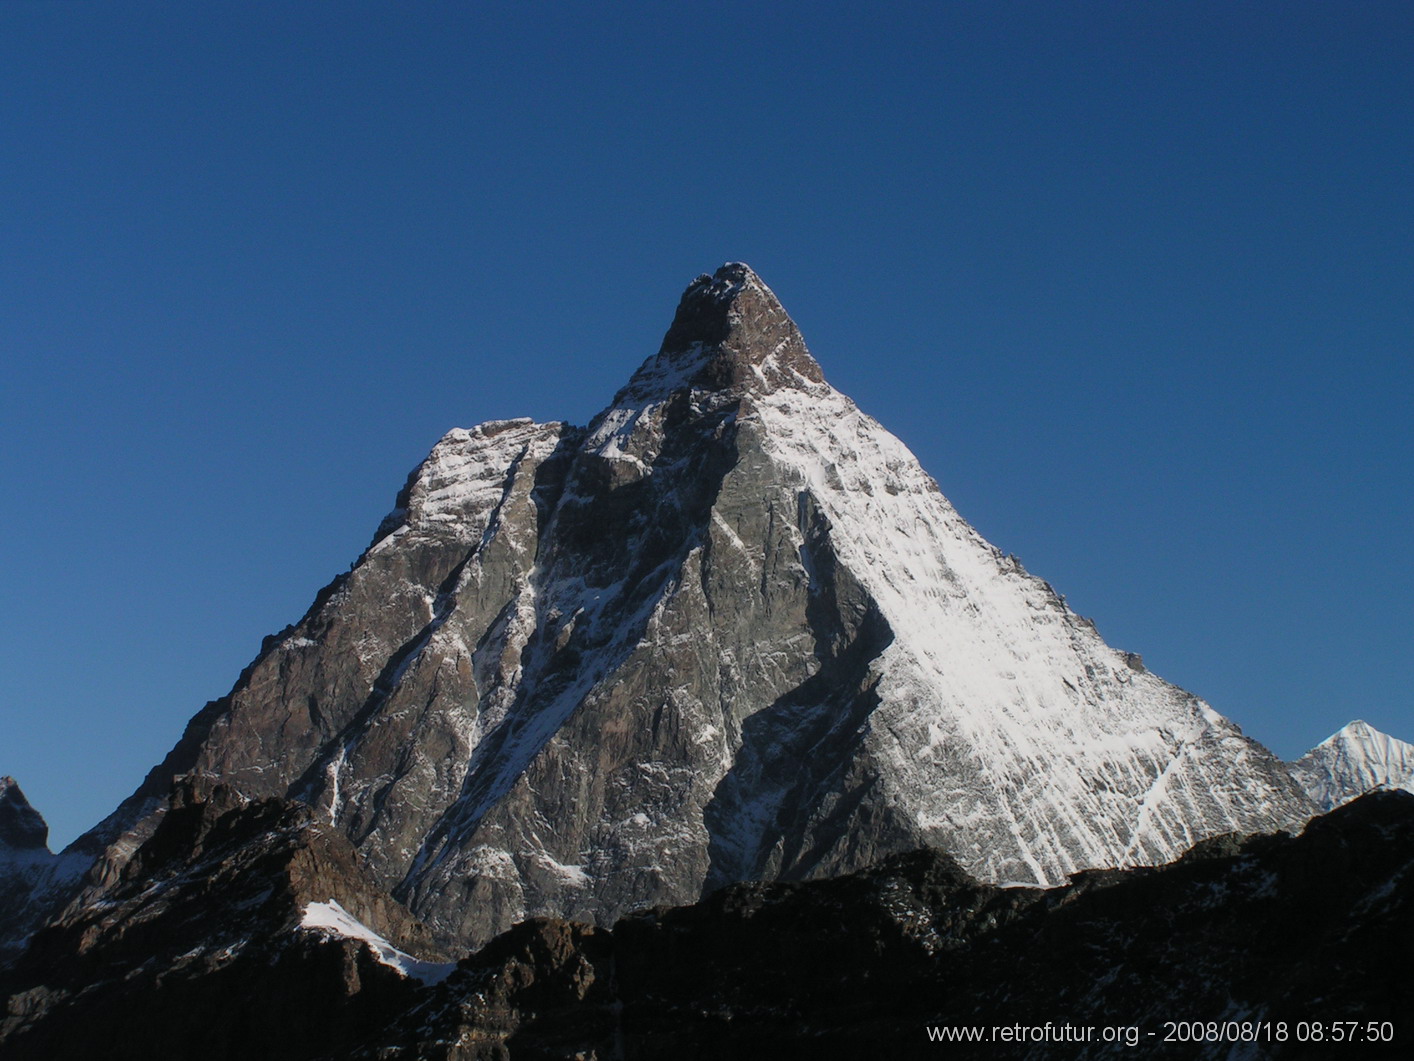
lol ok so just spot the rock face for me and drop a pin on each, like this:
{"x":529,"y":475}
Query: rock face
{"x":22,"y":828}
{"x":729,"y":631}
{"x":214,"y":939}
{"x":32,"y":878}
{"x":1352,"y":761}
{"x":25,"y":859}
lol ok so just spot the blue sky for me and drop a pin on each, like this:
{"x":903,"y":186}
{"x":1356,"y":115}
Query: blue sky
{"x":1133,"y":281}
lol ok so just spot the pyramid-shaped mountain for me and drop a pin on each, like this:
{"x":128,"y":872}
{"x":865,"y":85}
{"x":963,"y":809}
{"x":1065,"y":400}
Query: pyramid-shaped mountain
{"x":731,"y":630}
{"x":1355,"y":759}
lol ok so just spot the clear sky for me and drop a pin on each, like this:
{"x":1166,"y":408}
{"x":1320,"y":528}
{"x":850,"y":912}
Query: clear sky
{"x":1134,"y":281}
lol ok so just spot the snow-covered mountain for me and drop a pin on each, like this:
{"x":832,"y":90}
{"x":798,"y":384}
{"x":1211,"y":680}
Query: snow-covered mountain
{"x":731,"y":630}
{"x":1355,"y":759}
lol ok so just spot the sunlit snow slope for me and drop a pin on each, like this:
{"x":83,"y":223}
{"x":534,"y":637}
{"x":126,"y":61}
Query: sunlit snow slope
{"x":1352,"y":761}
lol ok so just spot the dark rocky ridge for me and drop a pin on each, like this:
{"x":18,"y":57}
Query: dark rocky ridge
{"x":1266,"y":928}
{"x":194,"y":948}
{"x":22,"y":828}
{"x":33,"y":881}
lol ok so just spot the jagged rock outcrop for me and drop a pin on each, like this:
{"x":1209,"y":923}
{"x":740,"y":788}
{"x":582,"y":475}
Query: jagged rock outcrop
{"x":33,"y":880}
{"x":1354,"y":760}
{"x":22,"y":828}
{"x":730,"y":630}
{"x":236,"y":929}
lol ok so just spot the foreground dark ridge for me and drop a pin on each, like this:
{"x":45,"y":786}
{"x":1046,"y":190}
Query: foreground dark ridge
{"x":199,"y":954}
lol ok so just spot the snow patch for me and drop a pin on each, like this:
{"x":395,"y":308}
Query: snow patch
{"x":332,"y":919}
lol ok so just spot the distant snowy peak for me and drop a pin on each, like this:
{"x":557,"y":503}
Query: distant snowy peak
{"x":1352,"y":761}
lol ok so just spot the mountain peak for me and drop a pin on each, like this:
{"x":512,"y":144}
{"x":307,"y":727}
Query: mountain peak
{"x":1359,"y":732}
{"x":730,"y":630}
{"x":22,"y":828}
{"x":1355,"y":759}
{"x":730,"y":332}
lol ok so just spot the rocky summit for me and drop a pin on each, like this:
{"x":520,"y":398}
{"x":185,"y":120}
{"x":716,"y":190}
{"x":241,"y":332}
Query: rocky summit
{"x":729,"y":631}
{"x":22,"y":828}
{"x":32,"y":878}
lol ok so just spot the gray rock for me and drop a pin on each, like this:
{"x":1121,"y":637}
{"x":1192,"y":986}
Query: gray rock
{"x":33,"y":880}
{"x":22,"y":828}
{"x":203,"y":945}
